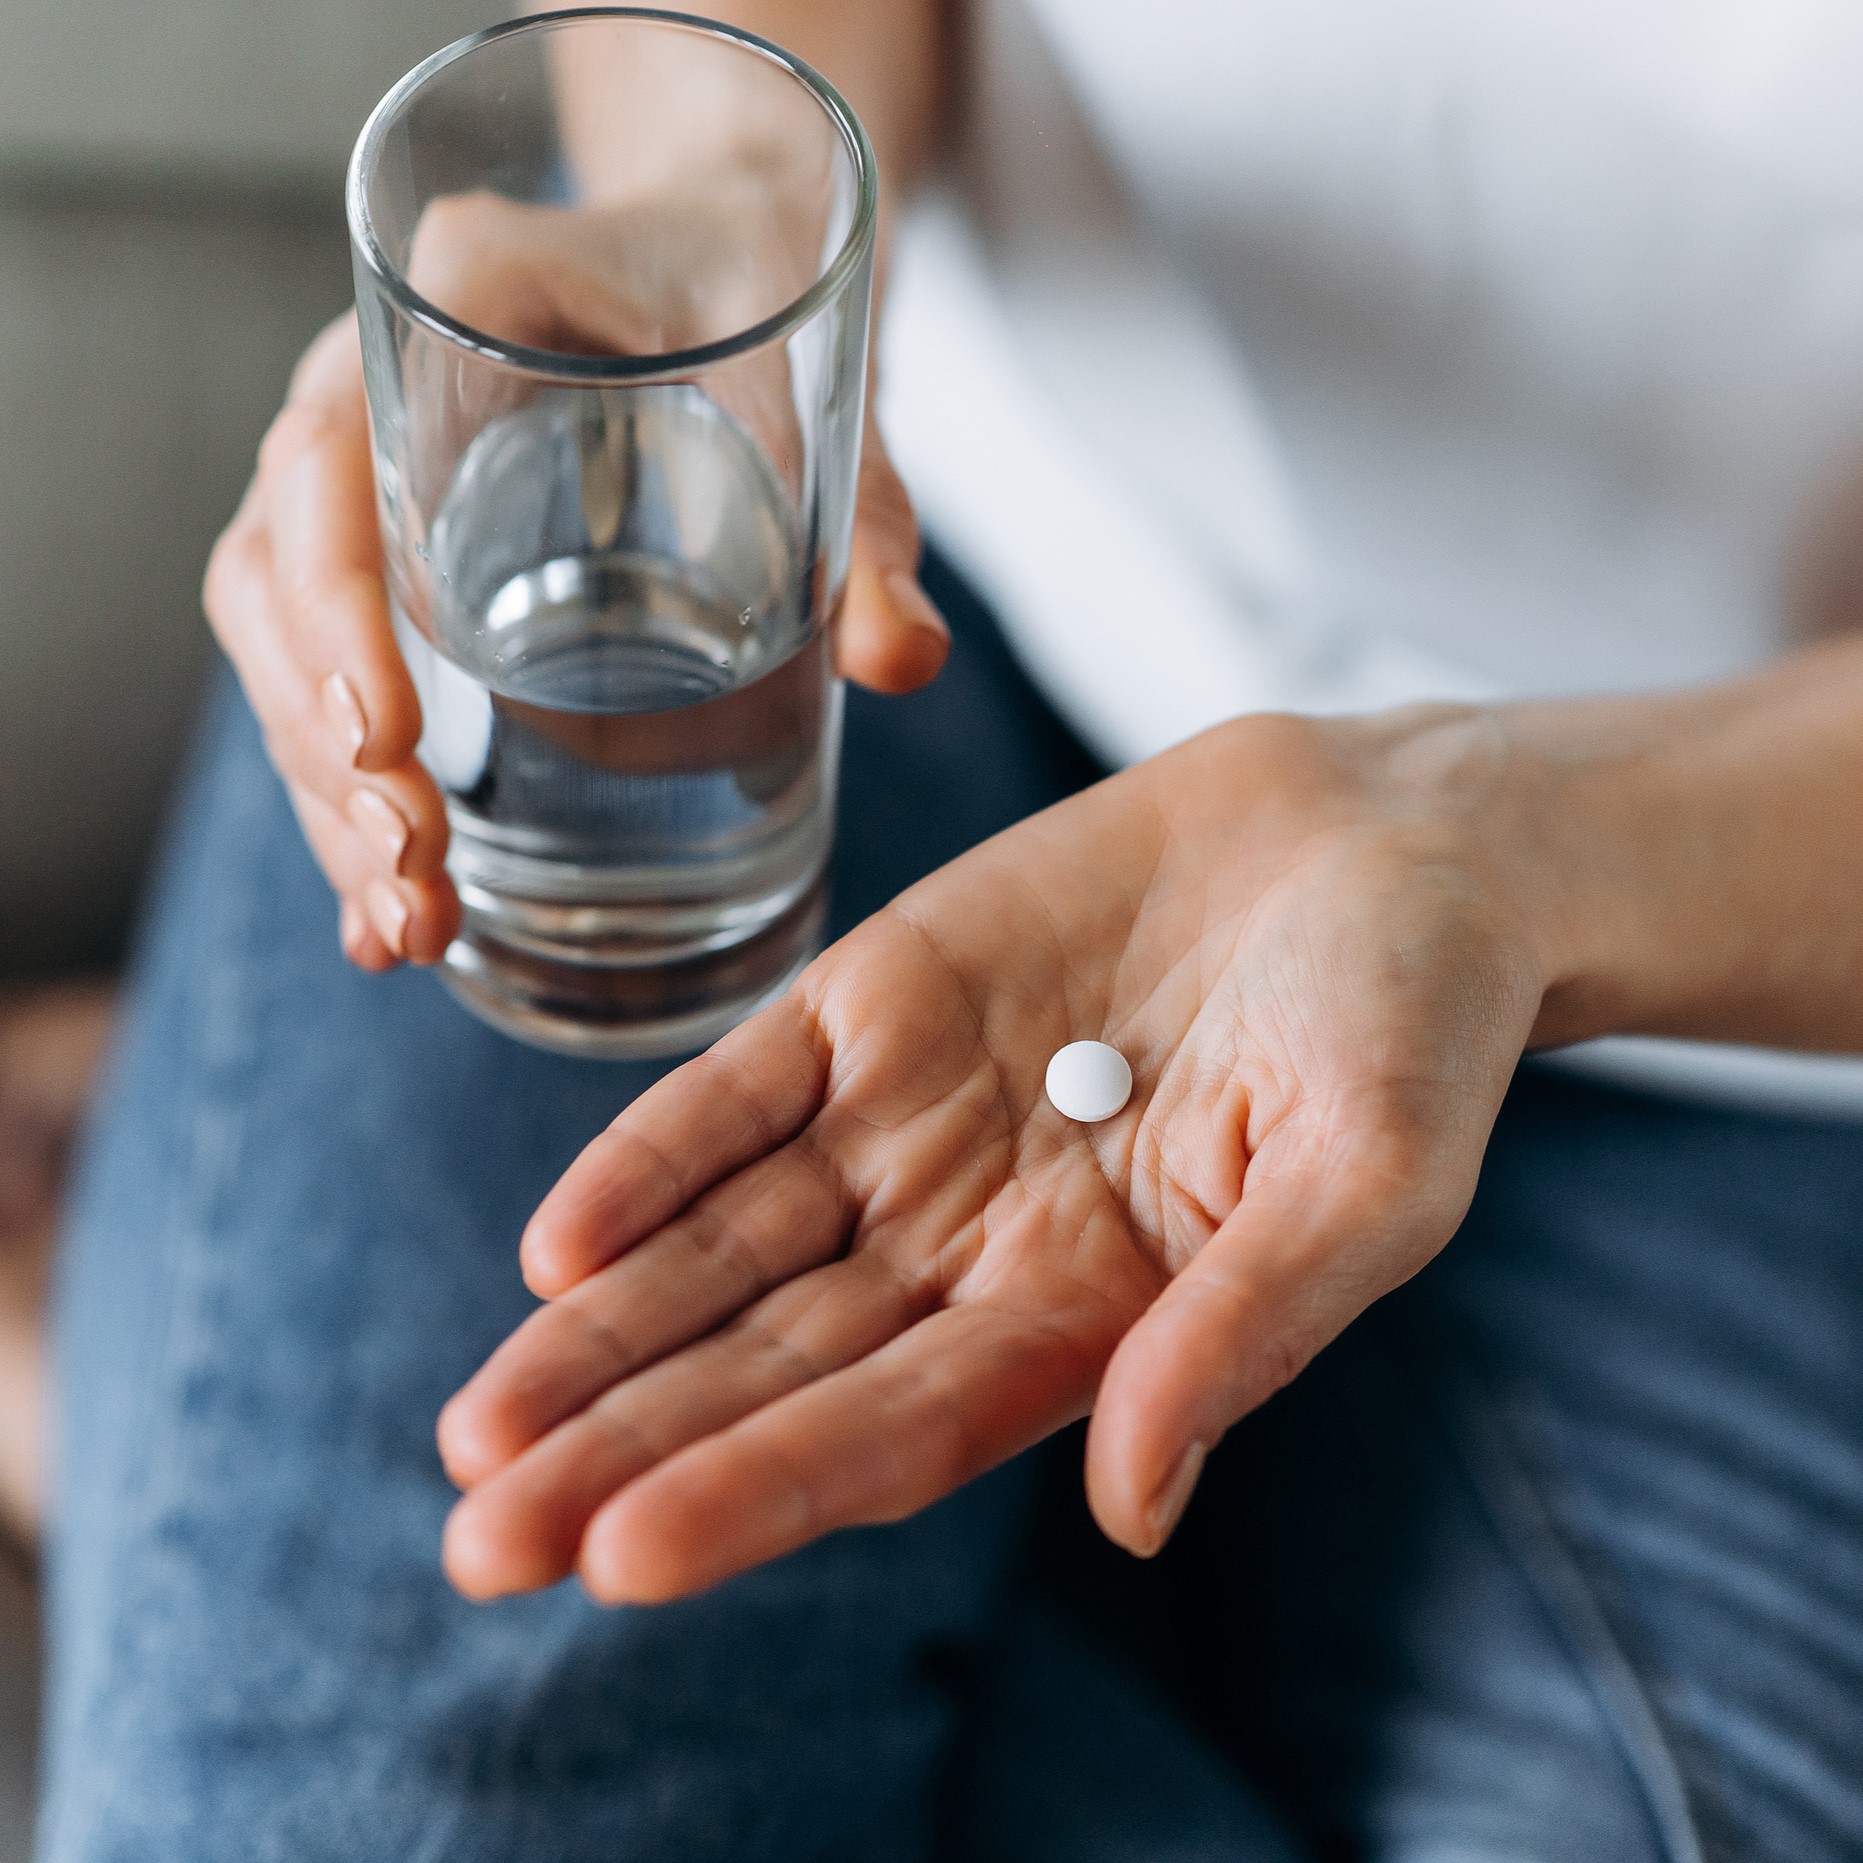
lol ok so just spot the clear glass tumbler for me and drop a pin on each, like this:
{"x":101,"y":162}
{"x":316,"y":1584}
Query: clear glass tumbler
{"x":613,"y":269}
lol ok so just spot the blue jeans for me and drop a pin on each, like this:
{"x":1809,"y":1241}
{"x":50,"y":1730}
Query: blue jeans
{"x":1558,"y":1554}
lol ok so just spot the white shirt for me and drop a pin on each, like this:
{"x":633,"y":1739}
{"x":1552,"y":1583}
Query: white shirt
{"x":1326,"y":354}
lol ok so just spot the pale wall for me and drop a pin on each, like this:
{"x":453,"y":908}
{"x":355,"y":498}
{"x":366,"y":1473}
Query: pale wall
{"x":170,"y":235}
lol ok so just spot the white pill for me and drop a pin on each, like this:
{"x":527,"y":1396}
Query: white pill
{"x":1089,"y":1081}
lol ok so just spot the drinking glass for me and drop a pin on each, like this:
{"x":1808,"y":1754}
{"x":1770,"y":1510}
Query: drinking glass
{"x":613,"y":272}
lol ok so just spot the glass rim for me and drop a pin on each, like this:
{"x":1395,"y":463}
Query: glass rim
{"x":560,"y":365}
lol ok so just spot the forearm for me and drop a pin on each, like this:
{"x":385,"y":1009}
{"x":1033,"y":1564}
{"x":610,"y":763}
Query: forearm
{"x":1693,"y":863}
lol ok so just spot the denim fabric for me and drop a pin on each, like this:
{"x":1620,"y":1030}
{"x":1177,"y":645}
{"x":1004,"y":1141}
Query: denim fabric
{"x":1558,"y":1555}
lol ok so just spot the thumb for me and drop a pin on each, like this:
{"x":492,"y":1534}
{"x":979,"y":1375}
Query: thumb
{"x":890,"y":637}
{"x":1313,"y":1242}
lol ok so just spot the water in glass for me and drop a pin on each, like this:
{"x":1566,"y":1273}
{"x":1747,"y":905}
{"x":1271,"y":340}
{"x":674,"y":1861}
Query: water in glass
{"x":628,"y":702}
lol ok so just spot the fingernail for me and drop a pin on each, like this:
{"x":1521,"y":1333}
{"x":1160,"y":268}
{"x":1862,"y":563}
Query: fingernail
{"x":352,"y":927}
{"x":389,"y":913}
{"x":372,"y":814}
{"x":1168,"y":1508}
{"x":345,"y":713}
{"x":913,"y":605}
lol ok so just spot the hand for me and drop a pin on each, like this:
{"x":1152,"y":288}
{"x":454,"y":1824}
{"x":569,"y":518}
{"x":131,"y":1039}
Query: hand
{"x":851,"y":1257}
{"x":295,"y":595}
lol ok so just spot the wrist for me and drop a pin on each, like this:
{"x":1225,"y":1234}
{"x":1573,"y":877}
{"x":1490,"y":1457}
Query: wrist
{"x":1561,"y":812}
{"x":1578,"y":779}
{"x":1618,"y":831}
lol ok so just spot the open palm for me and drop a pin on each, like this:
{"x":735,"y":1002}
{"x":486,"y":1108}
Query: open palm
{"x":852,"y":1257}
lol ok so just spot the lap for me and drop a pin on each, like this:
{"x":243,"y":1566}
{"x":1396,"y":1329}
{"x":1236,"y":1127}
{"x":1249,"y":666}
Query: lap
{"x":1661,"y":1307}
{"x":1555,"y":1555}
{"x":1559,"y":1552}
{"x":294,"y":1236}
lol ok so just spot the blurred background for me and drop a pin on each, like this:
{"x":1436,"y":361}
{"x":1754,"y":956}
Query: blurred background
{"x":171,"y":234}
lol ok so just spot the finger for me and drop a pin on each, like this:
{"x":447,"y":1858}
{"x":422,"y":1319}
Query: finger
{"x":1322,"y":1230}
{"x":522,"y":1527}
{"x":346,"y":867}
{"x":890,"y":637}
{"x":412,"y":919}
{"x":237,"y":597}
{"x":316,"y":493}
{"x":398,"y":811}
{"x":359,"y":941}
{"x":505,"y":267}
{"x":771,"y":1222}
{"x":743,"y":1098}
{"x":958,"y":1394}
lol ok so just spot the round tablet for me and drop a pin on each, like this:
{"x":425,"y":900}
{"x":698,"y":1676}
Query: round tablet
{"x":1089,"y":1081}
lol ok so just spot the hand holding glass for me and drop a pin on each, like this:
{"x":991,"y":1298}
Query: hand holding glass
{"x":613,"y":277}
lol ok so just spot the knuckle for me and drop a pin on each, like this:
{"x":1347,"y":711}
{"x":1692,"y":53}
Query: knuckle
{"x":299,"y":428}
{"x":1277,"y":1362}
{"x":735,"y":1257}
{"x":460,"y":241}
{"x":1278,"y":751}
{"x":233,"y":569}
{"x":449,"y":217}
{"x":334,"y":346}
{"x":216,"y":584}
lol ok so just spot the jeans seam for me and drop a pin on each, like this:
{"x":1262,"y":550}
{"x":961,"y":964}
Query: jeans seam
{"x":1486,"y":1429}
